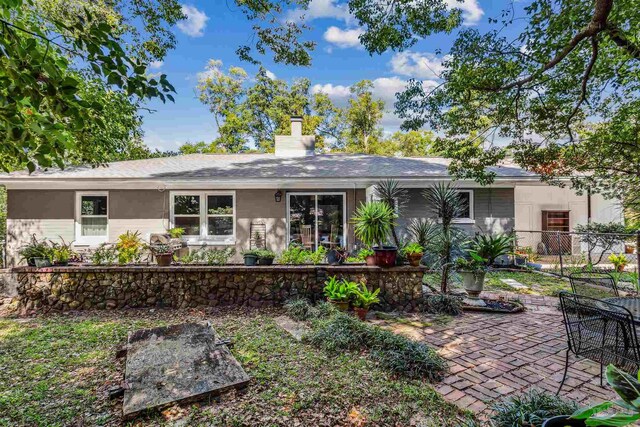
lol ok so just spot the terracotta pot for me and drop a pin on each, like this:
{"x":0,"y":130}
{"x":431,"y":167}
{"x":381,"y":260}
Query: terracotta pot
{"x":620,"y":268}
{"x":628,"y":249}
{"x":341,"y":305}
{"x":414,"y":259}
{"x":361,"y":313}
{"x":473,"y":282}
{"x":370,"y":260}
{"x":164,"y":260}
{"x":386,"y":256}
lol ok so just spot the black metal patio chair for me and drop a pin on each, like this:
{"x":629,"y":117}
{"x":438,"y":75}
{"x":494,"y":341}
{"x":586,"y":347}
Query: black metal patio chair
{"x":599,"y":331}
{"x":593,"y":284}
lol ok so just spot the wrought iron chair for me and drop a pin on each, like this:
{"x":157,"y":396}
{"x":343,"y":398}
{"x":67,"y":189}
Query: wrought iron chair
{"x":599,"y":331}
{"x":593,"y":284}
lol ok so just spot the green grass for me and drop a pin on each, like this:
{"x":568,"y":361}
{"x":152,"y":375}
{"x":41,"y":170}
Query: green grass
{"x":537,"y":284}
{"x":55,"y":371}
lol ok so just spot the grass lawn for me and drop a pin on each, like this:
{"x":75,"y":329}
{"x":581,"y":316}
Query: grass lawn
{"x":537,"y":283}
{"x":55,"y":371}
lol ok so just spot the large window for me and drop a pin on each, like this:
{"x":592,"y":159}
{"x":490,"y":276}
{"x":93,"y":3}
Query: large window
{"x":205,"y":216}
{"x":316,"y":219}
{"x":92,"y":217}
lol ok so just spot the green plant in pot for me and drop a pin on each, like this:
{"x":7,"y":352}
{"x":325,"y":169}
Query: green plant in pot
{"x":364,"y":298}
{"x":373,"y":222}
{"x":62,"y":252}
{"x":472,"y":270}
{"x":339,"y":292}
{"x":37,"y":253}
{"x":628,"y":389}
{"x":250,"y":257}
{"x":414,"y":253}
{"x":619,"y":261}
{"x":163,"y":254}
{"x":265,"y":256}
{"x":176,"y":232}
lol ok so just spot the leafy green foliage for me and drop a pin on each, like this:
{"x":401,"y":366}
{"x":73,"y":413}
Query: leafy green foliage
{"x":619,"y":260}
{"x":443,"y":304}
{"x":413,"y":249}
{"x":62,"y":252}
{"x":363,"y":118}
{"x":492,"y":246}
{"x":601,"y":236}
{"x":530,"y":408}
{"x":176,"y":232}
{"x":129,"y":247}
{"x":342,"y":332}
{"x":105,"y":254}
{"x":217,"y":256}
{"x":364,"y":298}
{"x":36,"y":249}
{"x":628,"y":388}
{"x":42,"y":108}
{"x":373,"y":222}
{"x":340,"y":290}
{"x":422,"y":231}
{"x":393,"y":194}
{"x":297,"y":255}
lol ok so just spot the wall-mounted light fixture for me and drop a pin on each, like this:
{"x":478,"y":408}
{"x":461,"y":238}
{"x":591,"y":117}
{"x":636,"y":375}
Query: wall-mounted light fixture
{"x":278,"y":196}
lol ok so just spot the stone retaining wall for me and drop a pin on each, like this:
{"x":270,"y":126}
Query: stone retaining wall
{"x":89,"y":287}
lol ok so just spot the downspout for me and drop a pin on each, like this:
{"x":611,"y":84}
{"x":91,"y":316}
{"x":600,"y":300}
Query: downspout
{"x":589,"y":205}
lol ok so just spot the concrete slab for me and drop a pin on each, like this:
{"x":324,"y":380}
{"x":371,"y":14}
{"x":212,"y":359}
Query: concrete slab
{"x":296,"y":329}
{"x":177,"y":364}
{"x":514,"y":284}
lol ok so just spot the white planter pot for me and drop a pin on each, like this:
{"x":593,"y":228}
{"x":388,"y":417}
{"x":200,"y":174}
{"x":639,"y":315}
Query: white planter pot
{"x":473,"y":282}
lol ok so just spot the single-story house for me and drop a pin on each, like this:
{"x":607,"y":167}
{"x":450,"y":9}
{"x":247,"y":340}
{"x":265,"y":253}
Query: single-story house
{"x":231,"y":199}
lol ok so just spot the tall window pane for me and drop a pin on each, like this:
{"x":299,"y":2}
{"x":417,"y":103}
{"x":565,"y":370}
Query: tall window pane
{"x":330,"y":220}
{"x":302,"y":220}
{"x":186,"y":212}
{"x":93,"y":216}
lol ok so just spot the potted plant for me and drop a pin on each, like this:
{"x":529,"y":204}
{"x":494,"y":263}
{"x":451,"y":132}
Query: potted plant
{"x":176,"y":232}
{"x":364,"y":298}
{"x":414,"y":253}
{"x":163,"y":254}
{"x":62,"y":253}
{"x":130,"y":247}
{"x":339,"y":292}
{"x":628,"y":389}
{"x":265,"y":256}
{"x":472,"y":270}
{"x":373,"y":222}
{"x":250,"y":258}
{"x":619,"y":261}
{"x":336,"y":255}
{"x":37,"y":253}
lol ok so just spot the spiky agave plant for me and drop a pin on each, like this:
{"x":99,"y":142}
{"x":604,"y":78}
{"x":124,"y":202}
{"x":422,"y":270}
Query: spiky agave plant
{"x":392,"y":193}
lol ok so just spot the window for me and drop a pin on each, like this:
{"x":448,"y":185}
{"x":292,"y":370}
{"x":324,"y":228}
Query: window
{"x":92,"y":218}
{"x":316,"y":219}
{"x":466,"y":197}
{"x":205,"y":216}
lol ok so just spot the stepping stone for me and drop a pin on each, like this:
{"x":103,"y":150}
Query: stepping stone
{"x":514,"y":284}
{"x":296,"y":329}
{"x":178,"y":363}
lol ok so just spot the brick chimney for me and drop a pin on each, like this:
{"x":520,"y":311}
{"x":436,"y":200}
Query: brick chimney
{"x":296,"y":144}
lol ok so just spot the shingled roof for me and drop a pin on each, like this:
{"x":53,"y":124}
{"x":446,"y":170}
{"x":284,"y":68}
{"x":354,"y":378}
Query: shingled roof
{"x":267,"y":166}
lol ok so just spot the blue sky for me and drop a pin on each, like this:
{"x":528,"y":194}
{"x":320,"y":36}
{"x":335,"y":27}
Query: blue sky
{"x":215,"y":29}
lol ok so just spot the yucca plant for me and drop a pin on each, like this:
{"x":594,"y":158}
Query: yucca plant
{"x":393,"y":194}
{"x":422,"y":231}
{"x":373,"y":222}
{"x":491,"y":247}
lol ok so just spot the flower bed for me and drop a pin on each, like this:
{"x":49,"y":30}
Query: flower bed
{"x":93,"y":287}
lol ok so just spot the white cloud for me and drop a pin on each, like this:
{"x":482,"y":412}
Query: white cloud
{"x":343,"y":38}
{"x":195,"y":22}
{"x":321,"y":9}
{"x":335,"y":92}
{"x":271,"y":75}
{"x":471,"y":10}
{"x":154,"y":65}
{"x":417,"y":65}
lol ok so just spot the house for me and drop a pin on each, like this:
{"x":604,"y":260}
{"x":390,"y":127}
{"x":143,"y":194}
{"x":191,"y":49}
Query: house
{"x":293,"y":194}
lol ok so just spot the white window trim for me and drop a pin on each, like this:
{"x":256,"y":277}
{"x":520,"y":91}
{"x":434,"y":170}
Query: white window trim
{"x":89,"y":240}
{"x":471,"y":219}
{"x":316,"y":194}
{"x":204,"y":238}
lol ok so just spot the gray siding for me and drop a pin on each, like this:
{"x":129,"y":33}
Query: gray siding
{"x":493,"y":210}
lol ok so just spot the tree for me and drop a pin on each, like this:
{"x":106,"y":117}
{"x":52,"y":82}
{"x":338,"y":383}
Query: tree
{"x":363,"y":117}
{"x":258,"y":112}
{"x":42,"y":110}
{"x":405,"y":144}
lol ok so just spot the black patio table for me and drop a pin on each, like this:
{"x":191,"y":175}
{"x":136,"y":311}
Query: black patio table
{"x":630,"y":303}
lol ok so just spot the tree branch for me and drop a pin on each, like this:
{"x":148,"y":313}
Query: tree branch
{"x":622,"y":41}
{"x":585,"y":80}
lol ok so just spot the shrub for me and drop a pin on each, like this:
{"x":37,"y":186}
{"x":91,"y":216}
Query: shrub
{"x":105,"y":254}
{"x":217,"y":256}
{"x":443,"y":304}
{"x":129,"y":246}
{"x":529,"y":409}
{"x":301,"y":309}
{"x":316,"y":257}
{"x":176,"y":232}
{"x":293,"y":255}
{"x":342,"y":332}
{"x":492,"y":246}
{"x":265,"y":253}
{"x":36,"y":249}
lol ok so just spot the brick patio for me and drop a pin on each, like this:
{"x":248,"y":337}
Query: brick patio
{"x":495,"y":355}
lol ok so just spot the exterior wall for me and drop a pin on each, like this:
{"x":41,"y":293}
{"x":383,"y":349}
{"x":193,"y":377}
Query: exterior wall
{"x":493,"y":210}
{"x":51,"y":214}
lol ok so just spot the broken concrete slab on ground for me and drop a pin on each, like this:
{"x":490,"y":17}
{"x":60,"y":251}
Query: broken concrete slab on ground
{"x":177,"y":364}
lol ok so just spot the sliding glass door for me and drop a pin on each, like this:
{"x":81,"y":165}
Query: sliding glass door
{"x":316,"y":219}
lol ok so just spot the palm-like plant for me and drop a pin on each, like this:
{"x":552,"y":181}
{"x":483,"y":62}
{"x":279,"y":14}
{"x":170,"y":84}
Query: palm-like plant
{"x":445,"y":203}
{"x":373,"y":222}
{"x":491,"y":247}
{"x":390,"y":192}
{"x":422,"y":231}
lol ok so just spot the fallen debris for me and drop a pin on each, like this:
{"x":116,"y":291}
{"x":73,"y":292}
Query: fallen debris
{"x":296,"y":329}
{"x":177,"y":364}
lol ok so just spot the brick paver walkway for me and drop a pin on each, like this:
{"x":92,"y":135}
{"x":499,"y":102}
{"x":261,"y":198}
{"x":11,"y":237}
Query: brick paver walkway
{"x":494,"y":355}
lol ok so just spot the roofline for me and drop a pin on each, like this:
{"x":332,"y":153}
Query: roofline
{"x":32,"y":183}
